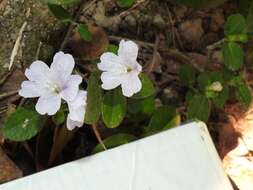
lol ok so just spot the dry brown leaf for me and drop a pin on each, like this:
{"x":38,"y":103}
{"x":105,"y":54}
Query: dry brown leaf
{"x":89,"y":50}
{"x":236,"y":146}
{"x":9,"y":171}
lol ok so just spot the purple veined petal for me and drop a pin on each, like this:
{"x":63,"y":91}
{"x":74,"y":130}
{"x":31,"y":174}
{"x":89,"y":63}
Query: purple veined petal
{"x":110,"y":62}
{"x":111,"y":80}
{"x":62,"y":67}
{"x":131,"y":84}
{"x":128,"y":51}
{"x":71,"y":87}
{"x":38,"y":72}
{"x":48,"y":104}
{"x":77,"y":107}
{"x":71,"y":124}
{"x":29,"y":89}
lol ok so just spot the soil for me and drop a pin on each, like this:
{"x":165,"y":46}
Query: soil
{"x":161,"y":30}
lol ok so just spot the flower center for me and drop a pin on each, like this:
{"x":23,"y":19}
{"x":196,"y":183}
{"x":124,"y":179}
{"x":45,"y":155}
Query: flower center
{"x":53,"y":87}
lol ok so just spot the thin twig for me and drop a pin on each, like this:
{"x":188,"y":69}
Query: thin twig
{"x":17,"y":44}
{"x":38,"y":51}
{"x":141,"y":43}
{"x":210,"y":50}
{"x":8,"y":94}
{"x":18,"y":40}
{"x":155,"y":54}
{"x":97,"y":134}
{"x":137,"y":4}
{"x":182,"y":58}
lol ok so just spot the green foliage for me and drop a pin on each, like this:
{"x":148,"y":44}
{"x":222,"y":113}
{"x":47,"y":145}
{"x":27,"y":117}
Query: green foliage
{"x":60,"y":13}
{"x":60,"y":2}
{"x":236,"y":24}
{"x":199,"y":108}
{"x":164,"y":117}
{"x":242,"y":90}
{"x":187,"y":75}
{"x":22,"y":125}
{"x":145,"y":106}
{"x":60,"y":117}
{"x":113,"y":108}
{"x":94,"y":99}
{"x":112,"y":48}
{"x":125,"y":3}
{"x":241,"y":38}
{"x":246,"y":8}
{"x":114,"y":141}
{"x":233,"y":56}
{"x":84,"y":32}
{"x":221,"y":97}
{"x":148,"y":88}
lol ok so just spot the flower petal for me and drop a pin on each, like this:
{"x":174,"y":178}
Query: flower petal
{"x":111,"y":80}
{"x":71,"y":87}
{"x":128,"y":50}
{"x":48,"y":105}
{"x":111,"y":62}
{"x":38,"y":72}
{"x":77,"y":107}
{"x":29,"y":90}
{"x":73,"y":124}
{"x":131,"y":84}
{"x":62,"y":67}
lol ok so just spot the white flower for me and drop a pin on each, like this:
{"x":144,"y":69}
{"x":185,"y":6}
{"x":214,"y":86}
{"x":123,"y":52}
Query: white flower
{"x":122,"y":69}
{"x":77,"y":109}
{"x":51,"y":84}
{"x":216,"y":86}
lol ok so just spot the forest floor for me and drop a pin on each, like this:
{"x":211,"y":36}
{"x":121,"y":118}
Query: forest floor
{"x":168,"y":35}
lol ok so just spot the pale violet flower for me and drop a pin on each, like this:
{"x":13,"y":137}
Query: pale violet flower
{"x":51,"y":84}
{"x":77,"y":109}
{"x":122,"y":69}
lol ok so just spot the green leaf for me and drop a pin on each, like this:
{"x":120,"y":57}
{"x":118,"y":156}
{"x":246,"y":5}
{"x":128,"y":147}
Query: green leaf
{"x":125,"y":3}
{"x":84,"y":32}
{"x":236,"y":24}
{"x":246,"y":8}
{"x":145,"y":105}
{"x":242,"y":90}
{"x":59,"y":2}
{"x":162,"y":119}
{"x":60,"y":13}
{"x":205,"y":79}
{"x":113,"y":48}
{"x":114,"y":141}
{"x":233,"y":56}
{"x":187,"y":75}
{"x":199,"y":108}
{"x":222,"y":97}
{"x":113,"y":108}
{"x":243,"y":38}
{"x":94,"y":99}
{"x":59,"y":118}
{"x":243,"y":94}
{"x":22,"y":125}
{"x":147,"y":89}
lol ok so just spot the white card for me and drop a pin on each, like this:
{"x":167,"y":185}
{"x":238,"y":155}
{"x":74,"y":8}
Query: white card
{"x":183,"y":158}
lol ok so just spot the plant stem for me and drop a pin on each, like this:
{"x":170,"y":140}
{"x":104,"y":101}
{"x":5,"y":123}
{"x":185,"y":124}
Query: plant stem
{"x":98,"y":136}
